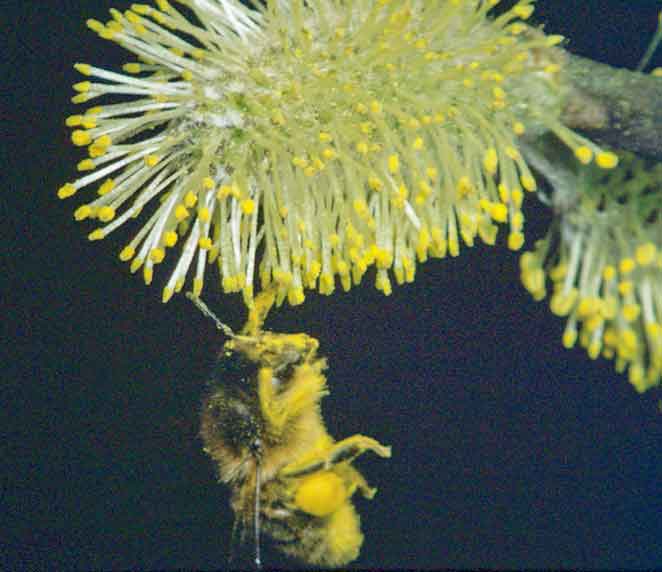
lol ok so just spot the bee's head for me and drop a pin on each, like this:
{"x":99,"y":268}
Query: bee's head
{"x":231,"y":410}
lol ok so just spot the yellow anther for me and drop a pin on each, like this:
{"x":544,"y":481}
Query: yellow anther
{"x":65,"y":191}
{"x":106,"y":213}
{"x":203,"y":214}
{"x":170,"y":238}
{"x":645,"y":254}
{"x":74,"y":121}
{"x":85,"y":69}
{"x":609,"y":272}
{"x":519,"y":128}
{"x":523,"y":11}
{"x":491,"y":161}
{"x":325,"y":137}
{"x":181,"y":212}
{"x":606,"y":160}
{"x":224,"y":191}
{"x":499,"y":212}
{"x":95,"y":25}
{"x":626,"y":265}
{"x":513,"y":153}
{"x":362,"y":147}
{"x":375,"y":106}
{"x":107,"y":186}
{"x":366,"y":127}
{"x":517,"y":220}
{"x":631,"y":312}
{"x":393,"y":163}
{"x":464,"y":186}
{"x":517,"y":28}
{"x":625,"y":287}
{"x":504,"y":193}
{"x":329,"y":153}
{"x":528,"y":182}
{"x":295,"y":296}
{"x":418,"y":143}
{"x":80,"y":98}
{"x":205,"y":243}
{"x":88,"y":122}
{"x":584,"y":154}
{"x":136,"y":263}
{"x":104,"y":141}
{"x":361,"y":207}
{"x":97,"y":234}
{"x":127,"y":253}
{"x":569,"y":338}
{"x":190,"y":199}
{"x":375,"y":183}
{"x":554,"y":39}
{"x":81,"y":138}
{"x":247,"y":206}
{"x":132,"y":68}
{"x":152,"y":160}
{"x":426,"y":190}
{"x":498,"y":93}
{"x":82,"y":86}
{"x":167,"y":294}
{"x":515,"y":240}
{"x":157,"y":255}
{"x":82,"y":212}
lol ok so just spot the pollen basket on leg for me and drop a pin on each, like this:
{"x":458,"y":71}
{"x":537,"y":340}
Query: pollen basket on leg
{"x":301,"y":143}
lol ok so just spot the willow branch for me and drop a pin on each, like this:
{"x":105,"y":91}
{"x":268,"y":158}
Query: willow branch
{"x":614,"y":107}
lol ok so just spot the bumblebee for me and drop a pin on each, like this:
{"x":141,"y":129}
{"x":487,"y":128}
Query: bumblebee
{"x":261,"y":424}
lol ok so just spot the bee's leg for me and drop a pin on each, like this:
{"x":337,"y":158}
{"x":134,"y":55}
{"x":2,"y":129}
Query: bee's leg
{"x":344,"y":451}
{"x":278,"y":409}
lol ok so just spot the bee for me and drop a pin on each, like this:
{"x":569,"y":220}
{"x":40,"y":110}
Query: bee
{"x":261,"y":423}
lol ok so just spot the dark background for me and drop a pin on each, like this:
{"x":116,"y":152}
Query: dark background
{"x":508,"y":451}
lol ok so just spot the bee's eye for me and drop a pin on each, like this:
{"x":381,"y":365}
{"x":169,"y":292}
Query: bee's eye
{"x":234,"y":368}
{"x":285,"y":373}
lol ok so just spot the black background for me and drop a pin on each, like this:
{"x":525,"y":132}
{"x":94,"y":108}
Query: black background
{"x":508,"y":451}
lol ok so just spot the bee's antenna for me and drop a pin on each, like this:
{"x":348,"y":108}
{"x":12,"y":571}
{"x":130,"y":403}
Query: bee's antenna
{"x":227,"y":330}
{"x":256,"y":516}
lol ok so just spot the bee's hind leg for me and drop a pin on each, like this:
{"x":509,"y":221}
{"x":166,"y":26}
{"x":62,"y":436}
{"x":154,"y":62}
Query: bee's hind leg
{"x":344,"y":451}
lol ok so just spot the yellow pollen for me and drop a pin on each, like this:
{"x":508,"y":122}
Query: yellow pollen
{"x":190,"y":199}
{"x":247,"y":206}
{"x":606,"y":160}
{"x":106,"y":214}
{"x":170,"y":238}
{"x":393,"y":164}
{"x":584,"y":154}
{"x":490,"y":161}
{"x":181,"y":212}
{"x":65,"y":191}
